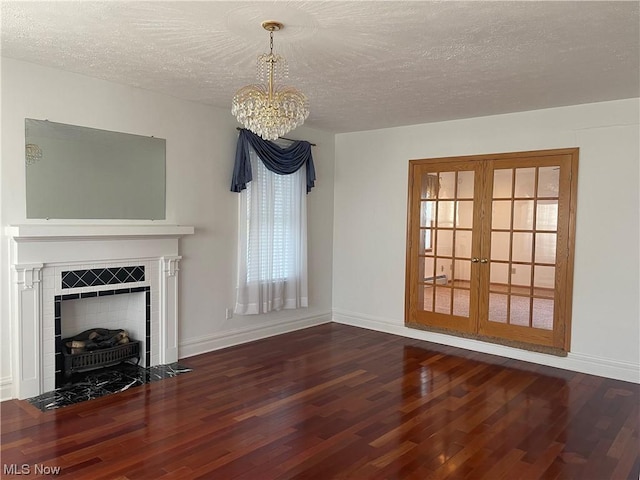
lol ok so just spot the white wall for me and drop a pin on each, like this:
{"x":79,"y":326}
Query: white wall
{"x":370,"y":224}
{"x":200,"y":152}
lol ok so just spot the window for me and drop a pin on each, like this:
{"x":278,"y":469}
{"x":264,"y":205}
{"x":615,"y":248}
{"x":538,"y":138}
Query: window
{"x":272,"y":256}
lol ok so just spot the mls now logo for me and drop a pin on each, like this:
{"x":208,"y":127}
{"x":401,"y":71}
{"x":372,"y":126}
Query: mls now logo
{"x":26,"y":469}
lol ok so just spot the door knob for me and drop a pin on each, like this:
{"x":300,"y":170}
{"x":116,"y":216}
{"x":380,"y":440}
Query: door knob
{"x":475,"y":260}
{"x":484,"y":260}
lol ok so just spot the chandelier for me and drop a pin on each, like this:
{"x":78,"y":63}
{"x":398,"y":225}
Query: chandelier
{"x":33,"y":153}
{"x":270,"y":109}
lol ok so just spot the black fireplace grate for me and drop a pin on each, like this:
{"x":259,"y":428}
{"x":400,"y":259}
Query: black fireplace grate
{"x":78,"y":362}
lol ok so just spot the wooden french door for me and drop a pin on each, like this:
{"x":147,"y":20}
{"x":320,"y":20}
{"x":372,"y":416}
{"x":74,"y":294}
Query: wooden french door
{"x":490,"y":247}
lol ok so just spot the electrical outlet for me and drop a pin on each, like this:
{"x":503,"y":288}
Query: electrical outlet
{"x":229,"y":313}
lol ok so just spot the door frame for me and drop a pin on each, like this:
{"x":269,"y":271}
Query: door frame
{"x":562,"y":336}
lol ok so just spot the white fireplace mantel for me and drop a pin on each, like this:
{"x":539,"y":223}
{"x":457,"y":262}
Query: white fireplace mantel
{"x":31,"y":232}
{"x":52,"y":243}
{"x":41,"y":252}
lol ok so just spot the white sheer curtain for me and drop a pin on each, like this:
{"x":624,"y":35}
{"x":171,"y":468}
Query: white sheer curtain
{"x":272,"y":250}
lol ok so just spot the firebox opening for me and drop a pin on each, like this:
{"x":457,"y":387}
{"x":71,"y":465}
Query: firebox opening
{"x":117,"y":319}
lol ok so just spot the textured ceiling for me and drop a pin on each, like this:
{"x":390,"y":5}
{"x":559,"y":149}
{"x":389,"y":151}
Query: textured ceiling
{"x":363,"y":64}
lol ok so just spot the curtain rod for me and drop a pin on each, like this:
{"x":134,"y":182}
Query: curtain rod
{"x":285,"y":138}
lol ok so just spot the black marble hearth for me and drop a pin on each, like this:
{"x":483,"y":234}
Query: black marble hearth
{"x":98,"y":383}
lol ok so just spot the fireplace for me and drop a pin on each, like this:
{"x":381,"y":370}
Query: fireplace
{"x":54,"y":265}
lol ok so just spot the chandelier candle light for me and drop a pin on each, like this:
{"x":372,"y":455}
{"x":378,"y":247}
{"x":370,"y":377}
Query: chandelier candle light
{"x":270,"y":110}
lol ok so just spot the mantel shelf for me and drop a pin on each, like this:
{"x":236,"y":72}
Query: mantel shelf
{"x":35,"y":232}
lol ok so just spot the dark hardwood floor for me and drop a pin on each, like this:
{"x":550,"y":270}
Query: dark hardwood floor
{"x":340,"y":402}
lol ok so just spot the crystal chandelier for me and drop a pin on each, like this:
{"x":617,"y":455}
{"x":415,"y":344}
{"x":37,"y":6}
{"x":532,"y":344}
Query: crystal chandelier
{"x":33,"y":153}
{"x":270,"y":110}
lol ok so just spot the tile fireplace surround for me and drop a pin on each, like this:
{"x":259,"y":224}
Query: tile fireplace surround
{"x":42,"y":257}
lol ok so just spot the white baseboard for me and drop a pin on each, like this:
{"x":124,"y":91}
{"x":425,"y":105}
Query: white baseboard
{"x":209,"y":343}
{"x":577,"y":362}
{"x":6,"y":388}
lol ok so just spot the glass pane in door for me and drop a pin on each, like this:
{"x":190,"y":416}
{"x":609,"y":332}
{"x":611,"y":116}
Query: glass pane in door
{"x":543,"y":313}
{"x":521,"y":246}
{"x":463,"y":244}
{"x":446,"y":222}
{"x":447,"y":185}
{"x":519,"y":310}
{"x":525,"y":182}
{"x":444,"y":244}
{"x":548,"y":182}
{"x":502,"y":183}
{"x":523,"y":215}
{"x":464,"y":211}
{"x":547,"y":215}
{"x":546,"y":247}
{"x":498,"y":307}
{"x":443,"y":300}
{"x":522,"y":254}
{"x":465,"y":184}
{"x":501,"y":215}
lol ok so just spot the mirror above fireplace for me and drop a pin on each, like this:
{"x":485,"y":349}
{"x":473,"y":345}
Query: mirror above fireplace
{"x":77,"y":172}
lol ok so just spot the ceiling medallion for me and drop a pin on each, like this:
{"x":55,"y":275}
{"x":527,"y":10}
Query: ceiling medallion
{"x":269,"y":109}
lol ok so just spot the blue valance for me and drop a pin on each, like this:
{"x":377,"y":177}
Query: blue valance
{"x":283,"y":161}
